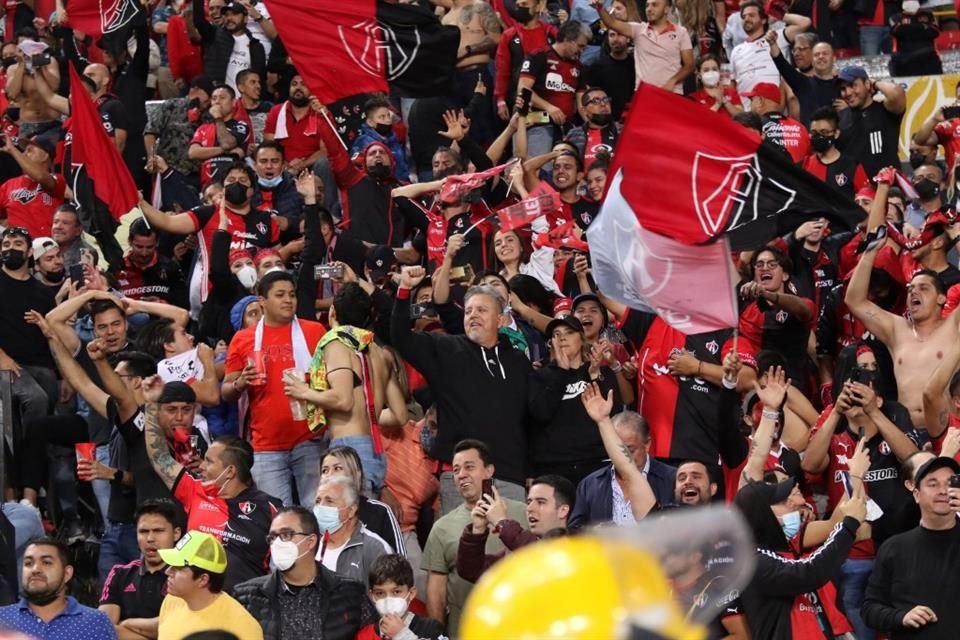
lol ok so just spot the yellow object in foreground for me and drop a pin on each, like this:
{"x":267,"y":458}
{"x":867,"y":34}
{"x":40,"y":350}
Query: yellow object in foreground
{"x":575,"y":588}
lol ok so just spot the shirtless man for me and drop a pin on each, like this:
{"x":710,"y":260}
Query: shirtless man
{"x":917,"y":344}
{"x":36,"y":115}
{"x":356,"y":368}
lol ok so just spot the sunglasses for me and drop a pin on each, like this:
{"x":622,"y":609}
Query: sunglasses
{"x":15,"y":231}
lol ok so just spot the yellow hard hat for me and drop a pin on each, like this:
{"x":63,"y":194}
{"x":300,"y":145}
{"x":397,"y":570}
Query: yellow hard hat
{"x":575,"y":588}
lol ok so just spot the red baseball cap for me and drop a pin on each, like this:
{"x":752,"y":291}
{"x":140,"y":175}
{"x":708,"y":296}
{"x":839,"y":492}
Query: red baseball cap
{"x":766,"y":90}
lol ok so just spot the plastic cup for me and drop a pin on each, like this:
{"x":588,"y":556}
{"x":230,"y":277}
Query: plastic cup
{"x":298,"y":409}
{"x":85,"y":451}
{"x":256,"y":361}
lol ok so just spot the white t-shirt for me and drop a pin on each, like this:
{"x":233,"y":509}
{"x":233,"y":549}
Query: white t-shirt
{"x":751,"y":64}
{"x":256,"y":30}
{"x":239,"y":59}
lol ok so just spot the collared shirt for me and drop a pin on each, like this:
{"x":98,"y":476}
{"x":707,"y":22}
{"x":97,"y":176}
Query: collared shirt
{"x":656,"y":54}
{"x":136,"y":591}
{"x":300,"y":610}
{"x":622,"y":512}
{"x":75,"y":622}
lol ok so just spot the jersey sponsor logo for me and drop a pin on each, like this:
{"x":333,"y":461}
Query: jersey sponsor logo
{"x":713,"y":347}
{"x":875,"y":475}
{"x":24,"y":195}
{"x":382,"y":53}
{"x":661,"y":370}
{"x":130,"y":588}
{"x":554,"y":82}
{"x":574,"y":389}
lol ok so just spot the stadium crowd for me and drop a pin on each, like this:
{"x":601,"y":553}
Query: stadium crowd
{"x":325,"y":377}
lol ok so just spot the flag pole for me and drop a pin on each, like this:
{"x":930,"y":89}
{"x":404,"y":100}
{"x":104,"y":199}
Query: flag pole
{"x":326,"y":116}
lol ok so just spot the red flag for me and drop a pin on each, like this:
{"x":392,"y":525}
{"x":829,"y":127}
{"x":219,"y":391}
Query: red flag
{"x":694,"y":175}
{"x":457,"y":186}
{"x":562,"y":237}
{"x":364,"y":44}
{"x":99,"y":17}
{"x":93,"y":148}
{"x":691,"y":287}
{"x":526,"y":211}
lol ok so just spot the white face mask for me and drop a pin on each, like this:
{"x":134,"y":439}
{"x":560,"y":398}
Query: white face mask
{"x":285,"y":553}
{"x":388,"y":605}
{"x":910,"y":7}
{"x":247,"y":275}
{"x":710,"y":78}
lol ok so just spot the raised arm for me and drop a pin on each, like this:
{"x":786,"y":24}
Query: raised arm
{"x":877,"y":321}
{"x":796,"y":24}
{"x":158,"y":451}
{"x":60,"y":316}
{"x":772,"y":396}
{"x":612,"y":22}
{"x":179,"y":224}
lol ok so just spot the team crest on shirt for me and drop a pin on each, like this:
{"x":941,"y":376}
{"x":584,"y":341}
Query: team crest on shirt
{"x":884,"y":448}
{"x":781,"y":316}
{"x":713,"y":347}
{"x":262,"y":228}
{"x":841,"y":179}
{"x":246,"y":507}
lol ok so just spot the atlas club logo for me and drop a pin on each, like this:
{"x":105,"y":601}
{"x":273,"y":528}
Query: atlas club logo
{"x":116,"y":14}
{"x":383,"y":54}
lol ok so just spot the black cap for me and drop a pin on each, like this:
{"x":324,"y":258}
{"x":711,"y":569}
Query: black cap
{"x":202,"y":82}
{"x":586,"y":297}
{"x":773,"y":493}
{"x":177,"y":392}
{"x":236,"y":7}
{"x":568,"y":321}
{"x":44,"y":143}
{"x":380,"y":260}
{"x":940,"y":462}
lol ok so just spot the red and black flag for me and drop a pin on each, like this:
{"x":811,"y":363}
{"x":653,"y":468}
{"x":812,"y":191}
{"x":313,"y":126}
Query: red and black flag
{"x":93,"y":148}
{"x":367,"y":46}
{"x":101,"y":17}
{"x":694,"y":175}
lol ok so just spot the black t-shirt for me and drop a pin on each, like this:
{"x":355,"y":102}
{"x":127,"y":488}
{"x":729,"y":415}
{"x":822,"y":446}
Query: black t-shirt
{"x":123,"y":499}
{"x":873,"y":138}
{"x":135,"y":590}
{"x":113,"y":114}
{"x":98,"y":427}
{"x":21,"y":341}
{"x":147,"y":483}
{"x":616,"y":77}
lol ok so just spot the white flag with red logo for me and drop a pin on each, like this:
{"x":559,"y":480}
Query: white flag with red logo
{"x":692,"y":287}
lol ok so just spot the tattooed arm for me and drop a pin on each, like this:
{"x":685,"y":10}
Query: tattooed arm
{"x":636,"y":488}
{"x":158,"y":450}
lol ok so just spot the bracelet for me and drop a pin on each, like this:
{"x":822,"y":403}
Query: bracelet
{"x":617,"y":368}
{"x":769,"y":414}
{"x":699,"y":368}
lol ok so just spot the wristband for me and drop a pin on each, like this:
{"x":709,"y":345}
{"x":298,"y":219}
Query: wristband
{"x":617,"y":368}
{"x":770,"y":414}
{"x":699,"y":368}
{"x":727,"y":384}
{"x":403,"y":294}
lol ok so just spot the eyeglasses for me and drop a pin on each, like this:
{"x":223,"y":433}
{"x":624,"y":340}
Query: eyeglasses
{"x":767,"y":264}
{"x":286,"y":535}
{"x":599,"y":100}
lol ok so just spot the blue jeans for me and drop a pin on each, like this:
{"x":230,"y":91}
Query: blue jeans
{"x":117,"y":546}
{"x":26,"y":522}
{"x":854,"y":575}
{"x":274,"y":470}
{"x":374,"y":466}
{"x":874,"y":40}
{"x":540,"y":141}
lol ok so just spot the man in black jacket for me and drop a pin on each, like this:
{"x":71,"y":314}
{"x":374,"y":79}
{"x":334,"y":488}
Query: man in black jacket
{"x":229,"y":48}
{"x":479,"y":381}
{"x":301,"y":598}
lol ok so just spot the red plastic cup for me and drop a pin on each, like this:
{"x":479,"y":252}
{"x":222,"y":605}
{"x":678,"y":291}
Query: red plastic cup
{"x":256,"y":361}
{"x":85,"y":451}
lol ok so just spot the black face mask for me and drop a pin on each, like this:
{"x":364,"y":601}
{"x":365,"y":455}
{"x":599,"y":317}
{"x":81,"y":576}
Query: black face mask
{"x":42,"y":598}
{"x":379,"y":171}
{"x":13,"y":258}
{"x":917,"y":159}
{"x":383,"y":129}
{"x":55,"y":277}
{"x":520,"y":14}
{"x":9,"y":62}
{"x":821,"y":143}
{"x":927,"y":189}
{"x":601,"y":119}
{"x":235,"y":193}
{"x":300,"y":101}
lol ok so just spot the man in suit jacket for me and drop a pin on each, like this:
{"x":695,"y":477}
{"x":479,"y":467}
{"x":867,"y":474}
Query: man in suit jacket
{"x":600,"y":498}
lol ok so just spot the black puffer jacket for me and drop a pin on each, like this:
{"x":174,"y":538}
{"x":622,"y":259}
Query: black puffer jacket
{"x":346,"y":608}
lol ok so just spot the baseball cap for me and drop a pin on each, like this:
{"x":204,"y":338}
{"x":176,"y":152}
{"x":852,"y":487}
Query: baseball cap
{"x":236,"y":7}
{"x":929,"y":467}
{"x":774,"y":493}
{"x":766,"y":90}
{"x":585,"y":297}
{"x":44,"y":143}
{"x":568,"y":321}
{"x":380,"y":260}
{"x":851,"y":73}
{"x":197,"y":549}
{"x":42,"y":245}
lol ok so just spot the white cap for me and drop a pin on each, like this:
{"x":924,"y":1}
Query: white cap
{"x":42,"y":245}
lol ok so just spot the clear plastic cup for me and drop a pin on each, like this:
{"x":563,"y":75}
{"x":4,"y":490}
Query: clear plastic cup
{"x":298,"y":408}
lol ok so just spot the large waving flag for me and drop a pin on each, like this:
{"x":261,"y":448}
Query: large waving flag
{"x":93,"y":148}
{"x":100,"y":17}
{"x":346,"y":47}
{"x":694,"y":175}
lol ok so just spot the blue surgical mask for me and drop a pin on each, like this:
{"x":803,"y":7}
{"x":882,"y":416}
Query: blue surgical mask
{"x":328,"y":518}
{"x":791,"y":524}
{"x":270,"y":183}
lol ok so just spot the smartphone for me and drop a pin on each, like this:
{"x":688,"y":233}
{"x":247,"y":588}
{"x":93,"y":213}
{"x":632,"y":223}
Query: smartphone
{"x":40,"y":60}
{"x":487,"y":487}
{"x":422,"y":311}
{"x":526,"y":95}
{"x":955,"y":481}
{"x":328,"y":272}
{"x":76,"y":275}
{"x":950,"y":113}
